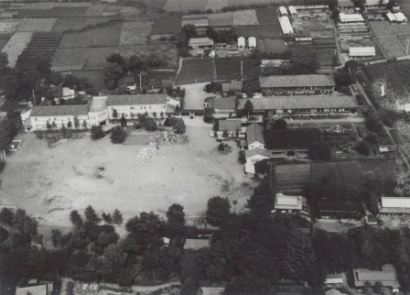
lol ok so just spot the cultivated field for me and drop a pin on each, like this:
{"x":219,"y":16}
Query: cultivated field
{"x":168,"y":25}
{"x":393,"y":38}
{"x":245,"y":18}
{"x":135,"y":33}
{"x":9,"y":25}
{"x":37,"y":24}
{"x":189,"y":72}
{"x":16,"y":45}
{"x":49,"y":183}
{"x":272,"y":45}
{"x":78,"y":23}
{"x":106,"y":36}
{"x":216,"y":5}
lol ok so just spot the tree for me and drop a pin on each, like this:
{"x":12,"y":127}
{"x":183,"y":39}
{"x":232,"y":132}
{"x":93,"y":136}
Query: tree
{"x":372,"y":138}
{"x":117,"y":217}
{"x":261,"y":201}
{"x":112,"y":72}
{"x":363,"y":148}
{"x":6,"y":216}
{"x":116,"y":58}
{"x":176,"y":216}
{"x":218,"y":210}
{"x":107,"y":218}
{"x":69,"y":124}
{"x":123,"y":121}
{"x":115,"y":113}
{"x":208,"y":114}
{"x":76,"y":219}
{"x":118,"y":135}
{"x":179,"y":126}
{"x":280,"y":124}
{"x":91,"y":216}
{"x":76,"y":122}
{"x":96,"y":132}
{"x":150,"y":125}
{"x":242,"y":157}
{"x":135,"y":64}
{"x":248,"y":107}
{"x":320,"y":151}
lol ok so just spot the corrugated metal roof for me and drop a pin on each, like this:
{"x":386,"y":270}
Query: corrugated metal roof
{"x":136,"y":99}
{"x":286,"y":26}
{"x":254,"y":133}
{"x":297,"y":81}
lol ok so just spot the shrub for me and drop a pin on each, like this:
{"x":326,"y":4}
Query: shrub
{"x":150,"y":125}
{"x":96,"y":132}
{"x":241,"y":157}
{"x":2,"y":165}
{"x":118,"y":135}
{"x":320,"y":151}
{"x":363,"y":148}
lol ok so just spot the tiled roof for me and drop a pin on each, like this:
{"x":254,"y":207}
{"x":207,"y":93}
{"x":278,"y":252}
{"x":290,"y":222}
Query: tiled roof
{"x":59,"y":110}
{"x":254,"y":132}
{"x":291,"y":138}
{"x":98,"y":104}
{"x":233,"y":85}
{"x":296,"y":81}
{"x":257,"y":151}
{"x":114,"y":100}
{"x":227,"y":103}
{"x":230,"y":125}
{"x":301,"y":102}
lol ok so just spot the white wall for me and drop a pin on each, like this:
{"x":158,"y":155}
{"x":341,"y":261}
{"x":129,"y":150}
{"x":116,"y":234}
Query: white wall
{"x":130,"y":112}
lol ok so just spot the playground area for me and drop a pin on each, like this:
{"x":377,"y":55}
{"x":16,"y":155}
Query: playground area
{"x":139,"y":175}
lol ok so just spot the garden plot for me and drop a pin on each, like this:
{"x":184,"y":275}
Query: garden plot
{"x":267,"y":16}
{"x":95,"y":10}
{"x":167,"y":51}
{"x":168,"y":25}
{"x":154,"y":4}
{"x":16,"y":45}
{"x":66,"y":59}
{"x":272,"y":45}
{"x":238,"y":3}
{"x":106,"y":36}
{"x":9,"y":25}
{"x":173,"y":5}
{"x":245,"y":18}
{"x":194,"y":5}
{"x":96,"y":57}
{"x":135,"y":33}
{"x":49,"y":183}
{"x":189,"y":71}
{"x":393,"y":38}
{"x":216,"y":5}
{"x":65,"y":24}
{"x":37,"y":24}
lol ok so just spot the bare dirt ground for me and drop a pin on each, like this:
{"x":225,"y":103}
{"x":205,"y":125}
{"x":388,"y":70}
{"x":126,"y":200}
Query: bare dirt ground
{"x":50,"y":182}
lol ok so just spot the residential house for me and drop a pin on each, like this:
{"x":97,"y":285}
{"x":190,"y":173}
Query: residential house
{"x":394,"y":205}
{"x":233,"y":86}
{"x":297,"y":84}
{"x":303,"y":106}
{"x":130,"y":106}
{"x":253,"y":156}
{"x":200,"y":43}
{"x":387,"y":277}
{"x":210,"y":291}
{"x":339,"y":209}
{"x":334,"y":280}
{"x":291,"y":143}
{"x":230,"y":128}
{"x":196,"y":244}
{"x":255,"y":137}
{"x":286,"y":203}
{"x":38,"y":289}
{"x":224,"y":107}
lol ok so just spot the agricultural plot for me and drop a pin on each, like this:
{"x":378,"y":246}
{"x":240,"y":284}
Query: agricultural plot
{"x":16,"y":45}
{"x":194,"y":5}
{"x":221,"y":19}
{"x":65,"y":24}
{"x":216,"y":5}
{"x":271,"y":45}
{"x":267,"y":16}
{"x":393,"y":38}
{"x":96,"y":57}
{"x":166,"y":51}
{"x":269,"y":31}
{"x":55,"y":12}
{"x":37,"y":24}
{"x":95,"y":77}
{"x":235,"y":68}
{"x":95,"y":10}
{"x":107,"y":36}
{"x":8,"y":26}
{"x":189,"y":72}
{"x":238,"y":3}
{"x":67,"y":59}
{"x":173,"y":5}
{"x":167,"y":25}
{"x":153,"y":4}
{"x":135,"y":33}
{"x":245,"y":18}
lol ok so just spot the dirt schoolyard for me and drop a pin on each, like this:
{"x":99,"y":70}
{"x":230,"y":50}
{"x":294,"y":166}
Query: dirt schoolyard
{"x":50,"y":182}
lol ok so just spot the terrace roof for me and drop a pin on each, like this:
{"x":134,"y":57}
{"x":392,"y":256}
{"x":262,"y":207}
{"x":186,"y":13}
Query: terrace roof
{"x":292,"y":81}
{"x":59,"y":110}
{"x":137,"y":99}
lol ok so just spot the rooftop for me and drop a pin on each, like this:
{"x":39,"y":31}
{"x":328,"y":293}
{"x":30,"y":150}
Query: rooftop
{"x":227,"y":103}
{"x":292,"y":81}
{"x":254,"y":133}
{"x":98,"y":104}
{"x":301,"y":102}
{"x":233,"y":85}
{"x":211,"y":290}
{"x":395,"y":202}
{"x":230,"y":125}
{"x":257,"y":151}
{"x":344,"y":206}
{"x":291,"y":138}
{"x":59,"y":110}
{"x":200,"y":41}
{"x":113,"y":100}
{"x":288,"y":202}
{"x":387,"y":277}
{"x":362,"y":51}
{"x":196,"y":244}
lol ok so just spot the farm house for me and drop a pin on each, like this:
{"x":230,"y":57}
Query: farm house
{"x":286,"y":26}
{"x":362,"y":52}
{"x":296,"y":84}
{"x":283,"y":11}
{"x":351,"y":18}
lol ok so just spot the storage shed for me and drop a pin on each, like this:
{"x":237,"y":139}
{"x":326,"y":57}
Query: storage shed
{"x":362,"y":52}
{"x":252,"y":42}
{"x":241,"y":42}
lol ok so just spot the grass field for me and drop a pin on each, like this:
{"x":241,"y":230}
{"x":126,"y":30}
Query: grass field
{"x":167,"y":25}
{"x":267,"y":16}
{"x":393,"y":38}
{"x":189,"y":72}
{"x":9,"y":25}
{"x":216,"y":5}
{"x":269,"y":31}
{"x":193,"y":5}
{"x":245,"y":18}
{"x":153,"y":4}
{"x":55,"y":12}
{"x":77,"y":23}
{"x":16,"y":45}
{"x":106,"y":36}
{"x":271,"y":45}
{"x":37,"y":24}
{"x":135,"y":32}
{"x":230,"y":68}
{"x":96,"y":57}
{"x":49,"y":183}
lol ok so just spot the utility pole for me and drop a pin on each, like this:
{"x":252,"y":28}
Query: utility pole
{"x":34,"y":97}
{"x":140,"y":81}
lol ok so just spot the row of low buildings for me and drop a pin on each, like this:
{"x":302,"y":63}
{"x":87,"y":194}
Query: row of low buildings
{"x":100,"y":110}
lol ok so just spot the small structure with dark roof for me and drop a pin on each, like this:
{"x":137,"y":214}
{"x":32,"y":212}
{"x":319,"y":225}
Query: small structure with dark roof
{"x":291,"y":142}
{"x":233,"y":128}
{"x":297,"y":84}
{"x":339,"y":209}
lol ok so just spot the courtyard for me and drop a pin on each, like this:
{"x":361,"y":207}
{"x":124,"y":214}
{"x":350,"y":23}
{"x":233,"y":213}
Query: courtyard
{"x":50,"y":182}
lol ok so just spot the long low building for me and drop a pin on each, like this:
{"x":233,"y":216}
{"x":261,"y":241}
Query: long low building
{"x":349,"y":209}
{"x":98,"y":111}
{"x":394,"y":205}
{"x":296,"y":84}
{"x":362,"y":52}
{"x":387,"y":277}
{"x":286,"y":26}
{"x":304,"y":105}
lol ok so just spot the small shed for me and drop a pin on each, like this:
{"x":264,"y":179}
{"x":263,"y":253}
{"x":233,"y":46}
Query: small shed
{"x":241,"y":42}
{"x":293,"y":10}
{"x":283,"y":10}
{"x":362,"y":52}
{"x":252,"y":42}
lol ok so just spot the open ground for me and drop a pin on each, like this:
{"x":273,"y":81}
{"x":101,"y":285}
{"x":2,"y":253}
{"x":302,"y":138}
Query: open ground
{"x":50,"y":182}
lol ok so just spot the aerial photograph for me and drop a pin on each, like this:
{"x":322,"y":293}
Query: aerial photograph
{"x":204,"y":147}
